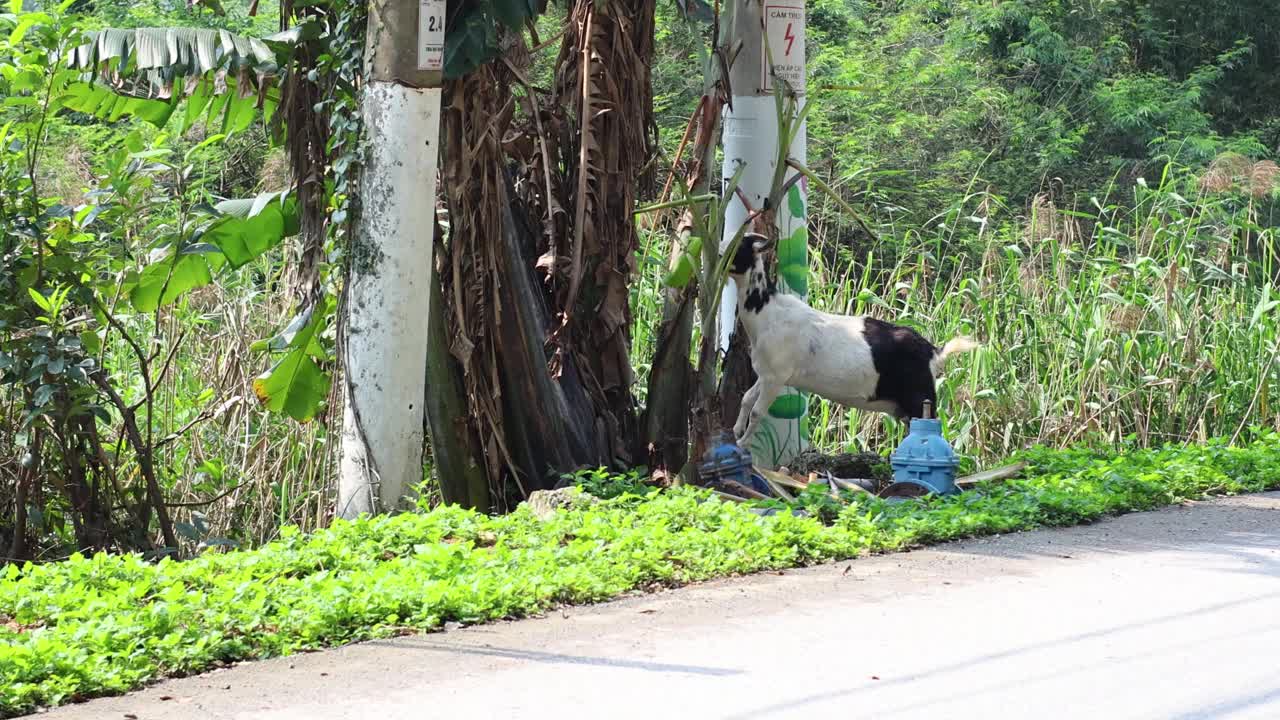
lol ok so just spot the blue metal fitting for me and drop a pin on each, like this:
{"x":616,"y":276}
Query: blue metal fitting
{"x":726,"y":461}
{"x":924,"y":458}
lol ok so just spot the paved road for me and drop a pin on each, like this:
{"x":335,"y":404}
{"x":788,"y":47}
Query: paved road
{"x":1173,"y":615}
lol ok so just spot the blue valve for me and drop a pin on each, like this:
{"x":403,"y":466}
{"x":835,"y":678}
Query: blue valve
{"x":924,"y":458}
{"x":726,"y":461}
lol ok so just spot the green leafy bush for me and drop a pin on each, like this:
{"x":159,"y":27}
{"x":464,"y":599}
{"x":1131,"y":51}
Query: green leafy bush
{"x":117,"y":244}
{"x":108,"y":623}
{"x":605,"y":484}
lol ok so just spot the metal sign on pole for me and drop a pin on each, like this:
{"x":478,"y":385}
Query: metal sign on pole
{"x":431,"y":19}
{"x":750,"y":138}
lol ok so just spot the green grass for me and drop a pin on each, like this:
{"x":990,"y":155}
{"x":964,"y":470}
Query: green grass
{"x":109,"y":623}
{"x":1147,"y":318}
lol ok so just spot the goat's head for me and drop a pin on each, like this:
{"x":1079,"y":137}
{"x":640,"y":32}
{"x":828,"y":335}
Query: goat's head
{"x":748,"y":257}
{"x":748,"y":272}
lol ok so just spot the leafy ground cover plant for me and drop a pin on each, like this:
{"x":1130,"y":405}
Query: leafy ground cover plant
{"x":110,"y":623}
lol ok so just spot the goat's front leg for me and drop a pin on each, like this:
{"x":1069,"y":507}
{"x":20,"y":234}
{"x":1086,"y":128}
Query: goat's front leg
{"x":744,"y":411}
{"x":769,"y":391}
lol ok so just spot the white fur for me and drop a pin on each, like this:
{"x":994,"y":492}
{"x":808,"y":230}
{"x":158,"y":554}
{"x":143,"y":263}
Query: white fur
{"x":954,"y":346}
{"x":794,"y":345}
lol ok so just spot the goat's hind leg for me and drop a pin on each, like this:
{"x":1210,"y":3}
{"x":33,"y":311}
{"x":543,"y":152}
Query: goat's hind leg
{"x":744,"y":410}
{"x":768,"y":393}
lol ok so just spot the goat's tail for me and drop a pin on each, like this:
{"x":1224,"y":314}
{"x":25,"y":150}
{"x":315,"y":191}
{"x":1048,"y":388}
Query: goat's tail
{"x":954,"y":346}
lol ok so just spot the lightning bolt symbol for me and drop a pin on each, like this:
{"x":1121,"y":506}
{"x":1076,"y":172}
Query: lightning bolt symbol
{"x":789,"y":38}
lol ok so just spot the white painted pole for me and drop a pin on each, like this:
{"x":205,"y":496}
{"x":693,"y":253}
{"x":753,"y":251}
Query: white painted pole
{"x":750,"y":138}
{"x":385,"y":331}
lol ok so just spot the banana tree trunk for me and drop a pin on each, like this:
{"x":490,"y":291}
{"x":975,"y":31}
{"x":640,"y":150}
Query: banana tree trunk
{"x":539,"y":266}
{"x":535,"y":423}
{"x":454,"y":447}
{"x":552,"y":423}
{"x":666,"y":418}
{"x":603,"y":78}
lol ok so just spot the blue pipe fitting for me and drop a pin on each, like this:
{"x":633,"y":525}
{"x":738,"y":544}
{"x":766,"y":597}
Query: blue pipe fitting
{"x":925,"y":459}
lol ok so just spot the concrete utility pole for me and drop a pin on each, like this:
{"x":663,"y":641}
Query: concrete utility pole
{"x":385,"y":330}
{"x":750,"y":138}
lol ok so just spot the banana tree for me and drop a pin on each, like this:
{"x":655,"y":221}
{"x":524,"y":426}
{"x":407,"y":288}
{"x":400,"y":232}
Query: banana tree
{"x":74,"y":277}
{"x":181,"y":76}
{"x":226,"y":81}
{"x":538,"y":261}
{"x":569,"y":243}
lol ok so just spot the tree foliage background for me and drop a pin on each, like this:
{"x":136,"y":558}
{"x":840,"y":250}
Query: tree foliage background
{"x":1091,"y":184}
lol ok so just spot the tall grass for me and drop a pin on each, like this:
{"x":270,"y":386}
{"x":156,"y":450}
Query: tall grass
{"x":232,"y":473}
{"x":239,"y":472}
{"x":1133,"y":323}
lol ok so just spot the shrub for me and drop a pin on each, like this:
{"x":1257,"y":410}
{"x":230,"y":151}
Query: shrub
{"x":109,"y":623}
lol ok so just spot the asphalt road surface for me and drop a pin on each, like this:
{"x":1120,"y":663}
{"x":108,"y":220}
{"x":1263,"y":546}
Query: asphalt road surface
{"x":1170,"y":615}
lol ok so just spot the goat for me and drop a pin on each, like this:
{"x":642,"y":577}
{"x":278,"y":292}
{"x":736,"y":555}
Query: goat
{"x":857,"y":361}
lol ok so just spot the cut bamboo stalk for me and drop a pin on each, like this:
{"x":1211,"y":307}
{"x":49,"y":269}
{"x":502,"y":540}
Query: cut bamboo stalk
{"x":744,"y":491}
{"x":781,"y":479}
{"x":846,"y":485}
{"x":728,"y":498}
{"x":831,"y":485}
{"x":777,"y":488}
{"x":993,"y":475}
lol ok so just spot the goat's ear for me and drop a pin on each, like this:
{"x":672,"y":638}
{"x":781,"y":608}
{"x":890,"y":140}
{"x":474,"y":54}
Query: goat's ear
{"x":759,"y":242}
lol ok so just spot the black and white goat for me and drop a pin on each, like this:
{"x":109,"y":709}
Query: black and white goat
{"x":857,"y":361}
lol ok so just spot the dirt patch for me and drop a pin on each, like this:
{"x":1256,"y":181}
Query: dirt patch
{"x":849,"y":466}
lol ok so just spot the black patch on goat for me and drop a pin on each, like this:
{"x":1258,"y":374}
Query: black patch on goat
{"x":902,"y":356}
{"x":760,"y":292}
{"x":744,"y":259}
{"x":759,"y":287}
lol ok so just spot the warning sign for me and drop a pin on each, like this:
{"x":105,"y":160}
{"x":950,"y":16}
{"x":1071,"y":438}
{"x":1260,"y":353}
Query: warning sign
{"x":431,"y":34}
{"x":784,"y":30}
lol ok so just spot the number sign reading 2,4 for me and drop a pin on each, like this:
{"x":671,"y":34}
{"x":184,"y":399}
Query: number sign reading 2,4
{"x":431,"y":34}
{"x":784,"y":29}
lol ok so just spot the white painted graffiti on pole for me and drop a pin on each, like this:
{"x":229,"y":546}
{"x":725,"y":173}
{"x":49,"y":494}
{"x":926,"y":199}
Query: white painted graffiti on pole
{"x":431,"y":34}
{"x":784,"y":30}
